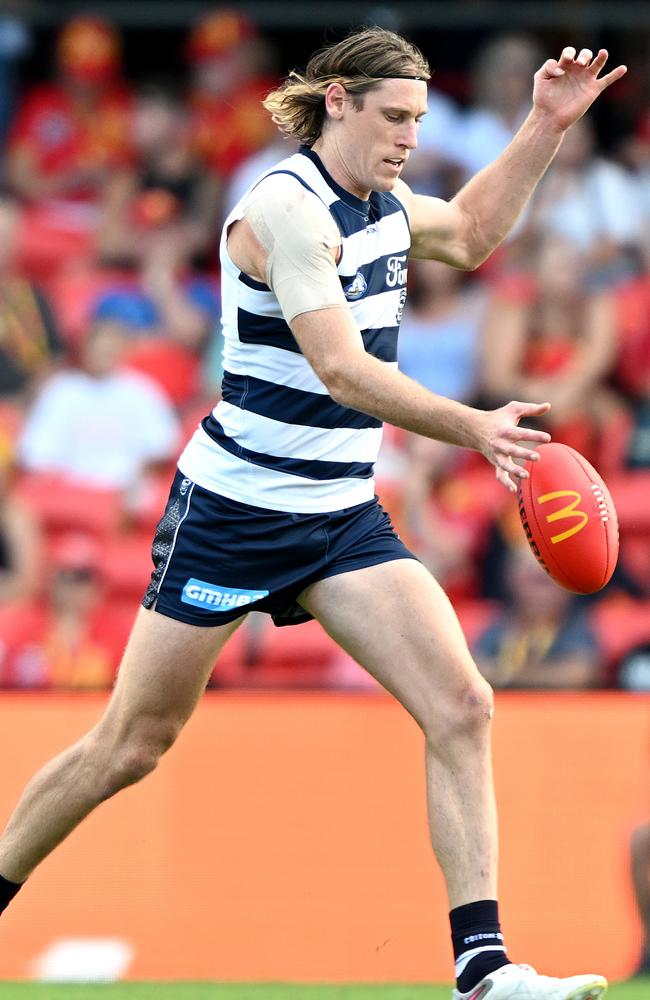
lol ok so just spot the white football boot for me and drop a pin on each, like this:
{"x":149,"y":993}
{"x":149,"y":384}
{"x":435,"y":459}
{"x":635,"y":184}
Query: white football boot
{"x":521,"y":982}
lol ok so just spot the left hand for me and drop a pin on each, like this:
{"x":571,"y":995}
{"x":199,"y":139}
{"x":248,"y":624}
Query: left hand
{"x":565,"y":89}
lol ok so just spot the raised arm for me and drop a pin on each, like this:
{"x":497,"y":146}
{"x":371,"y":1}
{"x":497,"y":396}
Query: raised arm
{"x":465,"y":231}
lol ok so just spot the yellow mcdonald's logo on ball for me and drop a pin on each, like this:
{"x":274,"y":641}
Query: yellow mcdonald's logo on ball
{"x":568,"y":511}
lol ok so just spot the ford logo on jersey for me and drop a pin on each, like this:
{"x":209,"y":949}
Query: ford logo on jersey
{"x":357,"y":287}
{"x":213,"y":597}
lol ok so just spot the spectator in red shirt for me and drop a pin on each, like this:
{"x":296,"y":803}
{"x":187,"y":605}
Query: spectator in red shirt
{"x":166,"y":188}
{"x":546,"y":333}
{"x":68,"y":136}
{"x":229,"y":81}
{"x":69,"y":638}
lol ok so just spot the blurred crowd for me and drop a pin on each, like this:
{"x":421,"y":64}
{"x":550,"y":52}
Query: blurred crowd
{"x":111,"y":202}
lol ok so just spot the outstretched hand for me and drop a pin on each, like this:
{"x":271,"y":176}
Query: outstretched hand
{"x":504,"y":440}
{"x":566,"y":88}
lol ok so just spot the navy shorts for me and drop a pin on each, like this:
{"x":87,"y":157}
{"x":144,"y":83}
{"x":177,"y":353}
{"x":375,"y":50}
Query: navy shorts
{"x":216,"y":559}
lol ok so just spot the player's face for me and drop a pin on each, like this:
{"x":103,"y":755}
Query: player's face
{"x":372,"y":144}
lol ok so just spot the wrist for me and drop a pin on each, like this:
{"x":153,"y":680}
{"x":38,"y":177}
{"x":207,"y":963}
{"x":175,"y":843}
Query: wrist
{"x":467,"y":427}
{"x":547,"y":123}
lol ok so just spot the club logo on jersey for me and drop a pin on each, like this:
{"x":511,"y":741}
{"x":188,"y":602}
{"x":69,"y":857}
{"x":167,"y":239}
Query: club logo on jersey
{"x":213,"y":597}
{"x":396,"y":271}
{"x":400,"y":306}
{"x":357,"y":288}
{"x":564,"y":512}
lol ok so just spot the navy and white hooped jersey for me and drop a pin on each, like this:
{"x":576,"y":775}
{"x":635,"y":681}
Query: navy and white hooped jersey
{"x":277,"y":439}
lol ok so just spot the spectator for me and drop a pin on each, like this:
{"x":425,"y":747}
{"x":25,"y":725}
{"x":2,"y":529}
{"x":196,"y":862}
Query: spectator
{"x":68,"y":136}
{"x":100,"y":424}
{"x":594,"y":203}
{"x":165,"y":188}
{"x":640,"y":858}
{"x":163,"y":298}
{"x":502,"y":89}
{"x":440,"y":329}
{"x":69,"y":638}
{"x":543,"y":638}
{"x":170,"y":314}
{"x":636,"y":155}
{"x":29,"y":340}
{"x":545,"y":334}
{"x":437,"y":517}
{"x":229,"y":65}
{"x":435,"y":166}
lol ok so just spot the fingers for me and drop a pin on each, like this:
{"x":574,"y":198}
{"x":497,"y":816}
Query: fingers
{"x":599,"y":61}
{"x":584,"y":57}
{"x":616,"y":74}
{"x":528,"y":434}
{"x":516,"y":451}
{"x":528,"y":409}
{"x":567,"y":59}
{"x":551,"y":68}
{"x":505,"y":480}
{"x":613,"y":76}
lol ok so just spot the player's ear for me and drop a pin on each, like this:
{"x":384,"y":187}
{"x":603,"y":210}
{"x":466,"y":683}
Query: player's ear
{"x":335,"y":97}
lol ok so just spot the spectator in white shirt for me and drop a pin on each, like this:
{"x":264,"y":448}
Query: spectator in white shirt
{"x":101,"y":424}
{"x":593,"y":202}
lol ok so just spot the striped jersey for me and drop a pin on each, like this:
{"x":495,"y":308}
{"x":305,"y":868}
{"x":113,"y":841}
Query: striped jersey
{"x":277,"y":439}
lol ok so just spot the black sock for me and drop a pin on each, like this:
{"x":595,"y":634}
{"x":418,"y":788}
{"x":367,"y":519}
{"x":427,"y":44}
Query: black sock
{"x":478,"y":942}
{"x":7,"y":892}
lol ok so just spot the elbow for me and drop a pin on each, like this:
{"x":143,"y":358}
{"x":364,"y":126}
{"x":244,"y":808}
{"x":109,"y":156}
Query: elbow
{"x":471,"y":263}
{"x":336,"y":384}
{"x":473,"y":254}
{"x":473,"y":248}
{"x":335,"y":376}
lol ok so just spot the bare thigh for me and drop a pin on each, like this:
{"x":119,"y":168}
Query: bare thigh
{"x":164,"y":671}
{"x":398,"y":623}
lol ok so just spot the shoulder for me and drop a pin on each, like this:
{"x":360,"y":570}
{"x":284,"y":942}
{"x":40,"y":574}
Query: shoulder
{"x":285,"y":187}
{"x":282,"y":207}
{"x":403,"y":194}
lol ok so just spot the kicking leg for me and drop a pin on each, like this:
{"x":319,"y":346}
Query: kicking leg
{"x":396,"y":621}
{"x":165,"y":669}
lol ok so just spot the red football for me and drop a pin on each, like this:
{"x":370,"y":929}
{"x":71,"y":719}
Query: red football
{"x":569,"y":519}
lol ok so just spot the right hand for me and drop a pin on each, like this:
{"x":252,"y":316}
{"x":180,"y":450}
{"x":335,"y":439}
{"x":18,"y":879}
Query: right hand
{"x":503,"y":440}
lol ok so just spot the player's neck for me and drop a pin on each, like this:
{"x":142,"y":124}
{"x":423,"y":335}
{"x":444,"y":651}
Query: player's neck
{"x":334,"y":162}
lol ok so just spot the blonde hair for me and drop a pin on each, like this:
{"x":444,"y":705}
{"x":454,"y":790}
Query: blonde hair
{"x":359,"y":63}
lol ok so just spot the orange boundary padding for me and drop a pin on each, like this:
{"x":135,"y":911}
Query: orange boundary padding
{"x":284,"y":838}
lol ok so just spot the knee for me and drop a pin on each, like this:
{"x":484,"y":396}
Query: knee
{"x":134,"y":755}
{"x":463,"y":716}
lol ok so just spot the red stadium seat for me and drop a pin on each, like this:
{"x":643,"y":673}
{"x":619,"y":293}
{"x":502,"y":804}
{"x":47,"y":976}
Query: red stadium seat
{"x":301,"y":646}
{"x":631,"y":492}
{"x":73,"y":293}
{"x":63,"y":505}
{"x":295,"y":656}
{"x":475,"y":616}
{"x":621,"y":624}
{"x":230,"y":668}
{"x":176,"y":369}
{"x":126,"y":566}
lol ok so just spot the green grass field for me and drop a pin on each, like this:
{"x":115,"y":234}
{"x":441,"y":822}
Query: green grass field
{"x":638,"y":989}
